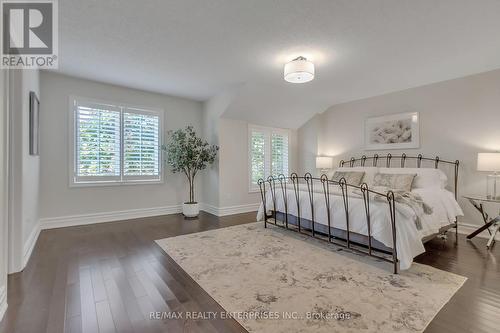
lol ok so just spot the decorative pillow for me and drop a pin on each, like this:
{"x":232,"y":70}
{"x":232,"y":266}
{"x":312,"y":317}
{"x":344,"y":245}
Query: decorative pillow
{"x":351,"y":177}
{"x":401,"y":182}
{"x":367,"y":178}
{"x":426,"y":177}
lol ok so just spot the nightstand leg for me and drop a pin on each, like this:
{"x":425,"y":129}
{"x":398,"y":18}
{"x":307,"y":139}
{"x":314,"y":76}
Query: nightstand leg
{"x":491,"y":241}
{"x":483,"y":228}
{"x":488,"y":222}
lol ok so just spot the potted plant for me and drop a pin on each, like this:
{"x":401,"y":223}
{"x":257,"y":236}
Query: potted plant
{"x":187,"y":153}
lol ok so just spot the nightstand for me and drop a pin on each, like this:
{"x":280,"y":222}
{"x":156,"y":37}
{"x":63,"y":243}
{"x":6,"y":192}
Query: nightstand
{"x":477,"y":201}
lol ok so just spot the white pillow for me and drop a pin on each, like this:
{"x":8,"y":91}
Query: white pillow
{"x":367,"y":178}
{"x":426,"y":177}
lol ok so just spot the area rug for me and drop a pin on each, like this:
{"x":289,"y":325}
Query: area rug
{"x":274,"y":280}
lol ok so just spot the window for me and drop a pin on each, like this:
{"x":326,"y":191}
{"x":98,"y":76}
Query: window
{"x":114,"y":144}
{"x":267,"y":153}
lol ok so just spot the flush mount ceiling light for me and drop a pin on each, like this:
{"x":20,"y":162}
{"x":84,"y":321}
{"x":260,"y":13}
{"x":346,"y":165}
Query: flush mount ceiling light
{"x":299,"y":70}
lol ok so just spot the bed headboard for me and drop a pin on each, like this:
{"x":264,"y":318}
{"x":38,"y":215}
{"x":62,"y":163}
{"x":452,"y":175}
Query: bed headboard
{"x":403,"y":158}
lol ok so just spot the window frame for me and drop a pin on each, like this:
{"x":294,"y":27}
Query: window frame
{"x":268,"y":132}
{"x":121,"y":180}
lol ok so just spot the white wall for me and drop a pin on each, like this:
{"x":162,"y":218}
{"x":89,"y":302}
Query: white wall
{"x":57,"y":199}
{"x":459,"y":118}
{"x":213,"y":109}
{"x":308,"y":144}
{"x":233,"y":164}
{"x":3,"y":189}
{"x":24,"y":171}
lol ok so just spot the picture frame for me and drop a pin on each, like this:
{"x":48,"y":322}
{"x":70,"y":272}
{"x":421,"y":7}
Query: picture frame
{"x":34,"y":119}
{"x":395,"y":131}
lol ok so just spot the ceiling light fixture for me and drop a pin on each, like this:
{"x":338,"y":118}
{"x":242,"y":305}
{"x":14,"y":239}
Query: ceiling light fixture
{"x":299,"y":70}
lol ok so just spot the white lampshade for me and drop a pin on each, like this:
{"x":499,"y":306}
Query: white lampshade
{"x":299,"y":70}
{"x":324,"y":162}
{"x":488,"y":162}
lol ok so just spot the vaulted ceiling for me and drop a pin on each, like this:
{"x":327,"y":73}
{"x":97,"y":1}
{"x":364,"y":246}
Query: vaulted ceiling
{"x":198,"y":49}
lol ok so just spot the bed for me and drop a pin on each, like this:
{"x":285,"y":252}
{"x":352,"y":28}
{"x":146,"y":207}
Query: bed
{"x":364,"y":217}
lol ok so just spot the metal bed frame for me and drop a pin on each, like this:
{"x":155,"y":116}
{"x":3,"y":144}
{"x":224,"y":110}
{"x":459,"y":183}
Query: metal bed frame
{"x":388,"y":254}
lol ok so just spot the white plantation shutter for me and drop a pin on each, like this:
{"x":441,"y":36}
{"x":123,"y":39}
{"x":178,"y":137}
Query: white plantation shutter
{"x":115,"y":144}
{"x":279,"y":154}
{"x":257,"y":156}
{"x":141,"y":144}
{"x":97,"y":141}
{"x":267,"y":153}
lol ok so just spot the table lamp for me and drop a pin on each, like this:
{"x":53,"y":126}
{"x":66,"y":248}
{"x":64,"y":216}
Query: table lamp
{"x":324,"y":163}
{"x":490,"y":162}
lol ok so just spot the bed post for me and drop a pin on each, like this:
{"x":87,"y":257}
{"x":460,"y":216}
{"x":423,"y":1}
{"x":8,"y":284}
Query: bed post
{"x":326,"y":192}
{"x":309,"y":181}
{"x":392,"y":210}
{"x":272,"y":188}
{"x":282,"y":178}
{"x":403,"y":160}
{"x":262,"y":187}
{"x":345,"y":197}
{"x":457,"y":164}
{"x":366,"y":199}
{"x":363,"y":160}
{"x":295,"y":182}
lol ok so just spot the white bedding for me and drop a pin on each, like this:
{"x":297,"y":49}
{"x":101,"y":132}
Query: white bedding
{"x":408,"y":238}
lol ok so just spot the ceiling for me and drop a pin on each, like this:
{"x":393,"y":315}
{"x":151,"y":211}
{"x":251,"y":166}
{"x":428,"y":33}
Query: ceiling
{"x":198,"y":49}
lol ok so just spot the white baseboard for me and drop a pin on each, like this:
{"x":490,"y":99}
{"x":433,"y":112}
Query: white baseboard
{"x":467,"y":228}
{"x":30,"y":243}
{"x":84,"y":219}
{"x":209,"y":209}
{"x":229,"y":210}
{"x":3,"y":301}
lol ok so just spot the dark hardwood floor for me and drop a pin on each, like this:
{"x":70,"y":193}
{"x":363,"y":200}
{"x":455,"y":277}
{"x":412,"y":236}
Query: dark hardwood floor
{"x":109,"y":278}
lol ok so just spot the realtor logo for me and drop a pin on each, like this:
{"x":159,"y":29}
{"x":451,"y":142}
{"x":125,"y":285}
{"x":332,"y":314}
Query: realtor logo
{"x":29,"y":34}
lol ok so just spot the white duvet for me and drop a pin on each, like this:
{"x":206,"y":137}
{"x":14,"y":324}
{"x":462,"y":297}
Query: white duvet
{"x":408,"y":239}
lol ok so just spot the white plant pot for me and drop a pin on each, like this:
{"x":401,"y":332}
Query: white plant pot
{"x":190,"y":209}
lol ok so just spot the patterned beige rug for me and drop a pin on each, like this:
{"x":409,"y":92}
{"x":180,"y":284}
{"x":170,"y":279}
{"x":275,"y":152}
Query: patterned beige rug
{"x":273,"y":280}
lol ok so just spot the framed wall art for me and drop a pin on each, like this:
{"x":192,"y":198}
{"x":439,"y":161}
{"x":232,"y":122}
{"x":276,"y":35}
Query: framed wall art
{"x":396,"y":131}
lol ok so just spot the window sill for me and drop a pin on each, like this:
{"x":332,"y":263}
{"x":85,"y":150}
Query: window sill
{"x":114,"y":183}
